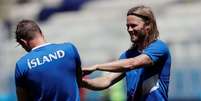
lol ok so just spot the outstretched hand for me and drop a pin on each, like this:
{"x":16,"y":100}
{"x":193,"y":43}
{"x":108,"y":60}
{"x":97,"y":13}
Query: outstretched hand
{"x":88,"y":70}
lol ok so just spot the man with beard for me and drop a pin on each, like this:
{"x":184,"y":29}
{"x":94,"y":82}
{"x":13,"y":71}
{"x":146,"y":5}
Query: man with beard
{"x":146,"y":65}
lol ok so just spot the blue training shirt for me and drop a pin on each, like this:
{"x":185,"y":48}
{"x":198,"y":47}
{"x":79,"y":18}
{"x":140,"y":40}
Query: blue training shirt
{"x":149,"y":83}
{"x":49,"y":73}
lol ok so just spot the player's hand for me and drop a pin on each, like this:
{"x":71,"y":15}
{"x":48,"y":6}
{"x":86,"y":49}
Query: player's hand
{"x":84,"y":80}
{"x":88,"y":70}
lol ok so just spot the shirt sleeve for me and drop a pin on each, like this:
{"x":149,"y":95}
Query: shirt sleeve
{"x":19,"y":77}
{"x":78,"y":64}
{"x":74,"y":53}
{"x":77,"y":56}
{"x":156,"y":51}
{"x":122,"y":56}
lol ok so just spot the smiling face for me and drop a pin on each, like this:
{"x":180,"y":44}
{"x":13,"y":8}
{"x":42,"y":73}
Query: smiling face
{"x":141,"y":26}
{"x":136,"y":29}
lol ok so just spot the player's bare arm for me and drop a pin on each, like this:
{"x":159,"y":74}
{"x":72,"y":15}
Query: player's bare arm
{"x":103,"y":82}
{"x":121,"y":65}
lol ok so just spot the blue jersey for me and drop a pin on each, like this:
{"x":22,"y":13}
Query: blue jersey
{"x":49,"y":73}
{"x":149,"y":83}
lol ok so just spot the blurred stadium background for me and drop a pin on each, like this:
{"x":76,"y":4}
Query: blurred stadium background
{"x":97,"y":28}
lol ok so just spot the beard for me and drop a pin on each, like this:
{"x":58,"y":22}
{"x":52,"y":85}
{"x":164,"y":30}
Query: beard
{"x":138,"y":38}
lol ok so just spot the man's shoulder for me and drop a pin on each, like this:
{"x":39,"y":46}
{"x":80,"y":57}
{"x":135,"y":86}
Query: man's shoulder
{"x":156,"y":49}
{"x":23,"y":58}
{"x":159,"y":42}
{"x":21,"y":62}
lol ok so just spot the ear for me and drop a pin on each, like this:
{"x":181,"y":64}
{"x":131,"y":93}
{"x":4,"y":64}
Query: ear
{"x":147,"y":28}
{"x":23,"y":42}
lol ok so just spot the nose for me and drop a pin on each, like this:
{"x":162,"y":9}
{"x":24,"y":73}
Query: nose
{"x":130,"y":28}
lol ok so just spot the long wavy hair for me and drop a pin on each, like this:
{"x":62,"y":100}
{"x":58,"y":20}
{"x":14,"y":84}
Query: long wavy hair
{"x":148,"y":17}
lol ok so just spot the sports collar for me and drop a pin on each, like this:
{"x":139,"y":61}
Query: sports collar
{"x":45,"y":44}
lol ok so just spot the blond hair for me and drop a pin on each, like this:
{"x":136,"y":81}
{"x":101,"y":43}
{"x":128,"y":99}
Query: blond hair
{"x":148,"y":17}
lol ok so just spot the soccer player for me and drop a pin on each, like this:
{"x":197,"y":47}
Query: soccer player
{"x":146,"y":65}
{"x":48,"y":72}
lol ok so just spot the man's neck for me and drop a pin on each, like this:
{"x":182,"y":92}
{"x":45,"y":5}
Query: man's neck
{"x":37,"y":42}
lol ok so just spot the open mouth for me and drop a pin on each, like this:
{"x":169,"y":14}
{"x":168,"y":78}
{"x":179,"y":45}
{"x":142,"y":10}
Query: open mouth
{"x":133,"y":35}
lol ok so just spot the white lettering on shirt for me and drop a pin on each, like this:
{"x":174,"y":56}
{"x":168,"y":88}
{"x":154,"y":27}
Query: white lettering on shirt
{"x":32,"y":63}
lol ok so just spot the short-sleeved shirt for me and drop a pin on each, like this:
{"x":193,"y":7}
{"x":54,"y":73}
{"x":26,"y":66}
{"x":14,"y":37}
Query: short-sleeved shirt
{"x":149,"y":83}
{"x":48,"y":72}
